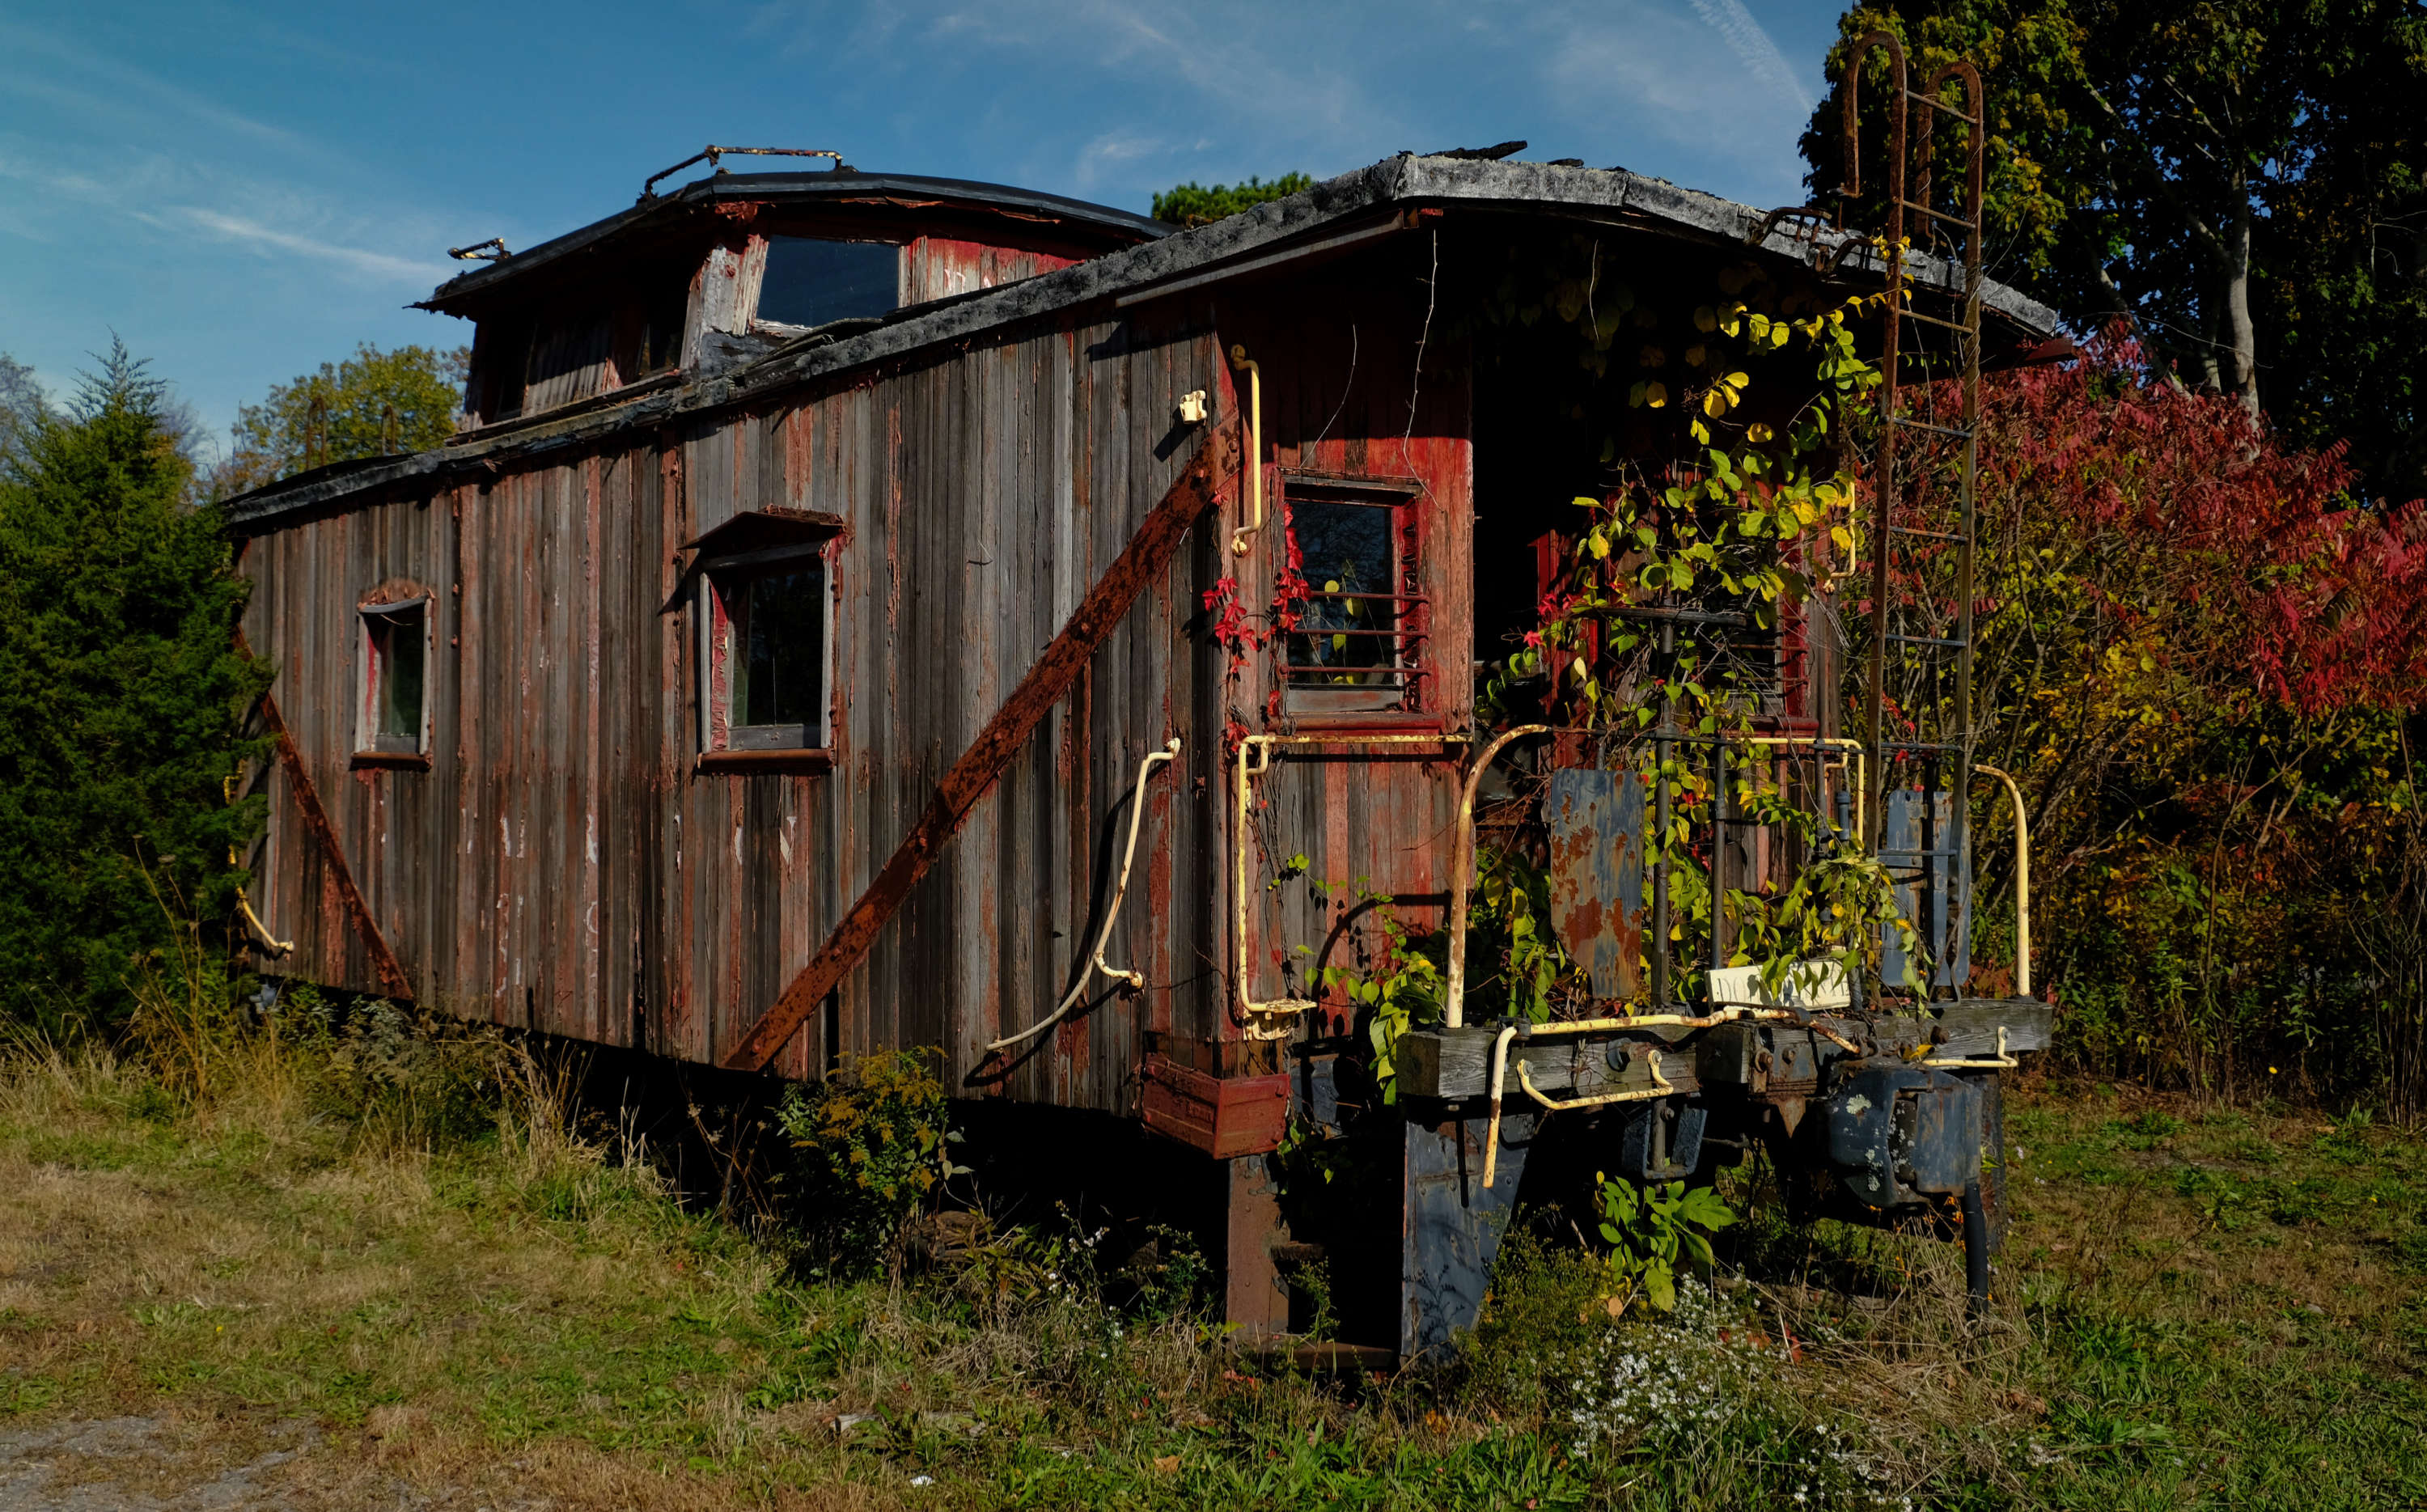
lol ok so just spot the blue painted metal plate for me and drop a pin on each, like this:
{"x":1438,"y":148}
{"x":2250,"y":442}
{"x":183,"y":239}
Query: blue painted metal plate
{"x":1932,"y":887}
{"x":1596,"y":825}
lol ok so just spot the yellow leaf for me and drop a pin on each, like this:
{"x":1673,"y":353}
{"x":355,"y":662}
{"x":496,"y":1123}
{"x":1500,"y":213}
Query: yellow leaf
{"x":1706,"y":319}
{"x":1600,"y":546}
{"x":1844,"y":538}
{"x":1656,"y":394}
{"x":1715,"y":403}
{"x":1737,"y":380}
{"x":1758,"y":433}
{"x":1694,"y":355}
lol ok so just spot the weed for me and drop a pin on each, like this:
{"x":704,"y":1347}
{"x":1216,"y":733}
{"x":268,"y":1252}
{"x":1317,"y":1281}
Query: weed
{"x":872,"y":1145}
{"x":2148,"y":1131}
{"x":1656,"y":1231}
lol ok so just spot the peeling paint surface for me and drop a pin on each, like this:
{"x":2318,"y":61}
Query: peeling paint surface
{"x":1595,"y":819}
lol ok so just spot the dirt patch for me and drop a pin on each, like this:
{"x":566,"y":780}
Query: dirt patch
{"x":139,"y":1465}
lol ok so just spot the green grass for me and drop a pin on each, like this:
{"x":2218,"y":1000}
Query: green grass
{"x":2197,"y":1308}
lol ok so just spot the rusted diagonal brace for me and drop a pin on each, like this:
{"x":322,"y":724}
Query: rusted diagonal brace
{"x":391,"y":972}
{"x":1144,"y":560}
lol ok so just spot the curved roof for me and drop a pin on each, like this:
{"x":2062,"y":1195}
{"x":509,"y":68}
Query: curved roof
{"x":1099,"y":226}
{"x":1333,"y":216}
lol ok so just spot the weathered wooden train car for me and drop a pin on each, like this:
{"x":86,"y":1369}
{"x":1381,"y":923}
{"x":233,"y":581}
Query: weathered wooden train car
{"x":825,"y":635}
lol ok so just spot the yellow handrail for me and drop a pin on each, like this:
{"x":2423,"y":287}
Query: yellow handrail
{"x":1095,"y":963}
{"x":243,"y":904}
{"x":1461,"y":866}
{"x":1239,"y":543}
{"x":1255,"y":756}
{"x":2022,"y":879}
{"x":1661,"y":1086}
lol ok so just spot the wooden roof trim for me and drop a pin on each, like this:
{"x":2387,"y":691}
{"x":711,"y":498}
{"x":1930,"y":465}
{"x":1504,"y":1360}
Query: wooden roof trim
{"x":1535,"y":188}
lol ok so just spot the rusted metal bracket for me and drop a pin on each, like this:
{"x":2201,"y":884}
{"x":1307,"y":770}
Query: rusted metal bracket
{"x":2003,"y":1061}
{"x":710,"y":155}
{"x":1143,"y":560}
{"x":391,"y":971}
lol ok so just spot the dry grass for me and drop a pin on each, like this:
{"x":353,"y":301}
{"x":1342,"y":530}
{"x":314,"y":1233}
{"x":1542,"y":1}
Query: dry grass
{"x":294,"y":1266}
{"x":2196,"y":1305}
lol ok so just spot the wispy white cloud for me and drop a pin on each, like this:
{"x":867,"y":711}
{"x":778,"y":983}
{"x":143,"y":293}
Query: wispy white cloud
{"x":223,"y":175}
{"x":160,"y":192}
{"x":267,"y":238}
{"x":1252,"y":78}
{"x":1746,"y":38}
{"x":1115,"y":149}
{"x":37,"y":60}
{"x":1647,"y":75}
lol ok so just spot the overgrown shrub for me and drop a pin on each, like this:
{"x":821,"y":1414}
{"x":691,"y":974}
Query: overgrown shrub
{"x":871,"y":1147}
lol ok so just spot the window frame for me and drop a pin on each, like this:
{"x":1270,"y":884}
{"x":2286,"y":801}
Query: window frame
{"x":766,"y":249}
{"x":718,"y":585}
{"x":1407,"y":698}
{"x":374,"y":615}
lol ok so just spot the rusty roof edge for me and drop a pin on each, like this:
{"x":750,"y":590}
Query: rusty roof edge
{"x":816,"y":354}
{"x":776,"y":187}
{"x":1453,"y":179}
{"x":1268,"y":227}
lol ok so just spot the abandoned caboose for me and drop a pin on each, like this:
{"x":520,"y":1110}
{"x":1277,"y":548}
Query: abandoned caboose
{"x":825,"y":635}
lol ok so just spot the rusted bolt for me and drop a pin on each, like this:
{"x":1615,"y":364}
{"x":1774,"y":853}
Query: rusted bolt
{"x":1764,"y":1060}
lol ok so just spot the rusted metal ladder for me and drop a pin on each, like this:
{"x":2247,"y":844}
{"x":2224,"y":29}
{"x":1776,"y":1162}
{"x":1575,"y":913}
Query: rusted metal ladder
{"x":1938,"y":746}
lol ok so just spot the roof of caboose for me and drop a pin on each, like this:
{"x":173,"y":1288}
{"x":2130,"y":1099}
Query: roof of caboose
{"x":1330,"y":217}
{"x":938,"y":202}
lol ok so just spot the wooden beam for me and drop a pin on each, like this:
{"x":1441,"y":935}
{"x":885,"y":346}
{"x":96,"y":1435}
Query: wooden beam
{"x":391,"y":972}
{"x":1452,"y":1063}
{"x":1144,"y":560}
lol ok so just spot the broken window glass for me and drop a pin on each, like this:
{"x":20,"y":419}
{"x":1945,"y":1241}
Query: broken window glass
{"x":811,"y":283}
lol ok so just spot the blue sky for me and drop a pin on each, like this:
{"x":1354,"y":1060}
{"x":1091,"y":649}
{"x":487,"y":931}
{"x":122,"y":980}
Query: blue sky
{"x":243,"y":193}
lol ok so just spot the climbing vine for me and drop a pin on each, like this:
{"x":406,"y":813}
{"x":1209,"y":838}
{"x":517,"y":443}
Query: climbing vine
{"x":1676,"y":577}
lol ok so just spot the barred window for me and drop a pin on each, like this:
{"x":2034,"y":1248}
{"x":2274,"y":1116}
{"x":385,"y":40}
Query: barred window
{"x":1356,"y":587}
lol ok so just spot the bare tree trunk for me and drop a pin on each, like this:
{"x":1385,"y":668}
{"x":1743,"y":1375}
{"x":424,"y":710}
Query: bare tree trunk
{"x":2239,"y":324}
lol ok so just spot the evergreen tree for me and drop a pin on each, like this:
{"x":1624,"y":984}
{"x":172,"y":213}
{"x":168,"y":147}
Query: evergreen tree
{"x":20,"y":402}
{"x":1193,"y":205}
{"x":121,"y":701}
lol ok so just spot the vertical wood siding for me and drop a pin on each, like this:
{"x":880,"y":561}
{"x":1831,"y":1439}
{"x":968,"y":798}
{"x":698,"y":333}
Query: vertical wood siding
{"x":562,"y":866}
{"x":939,"y":266}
